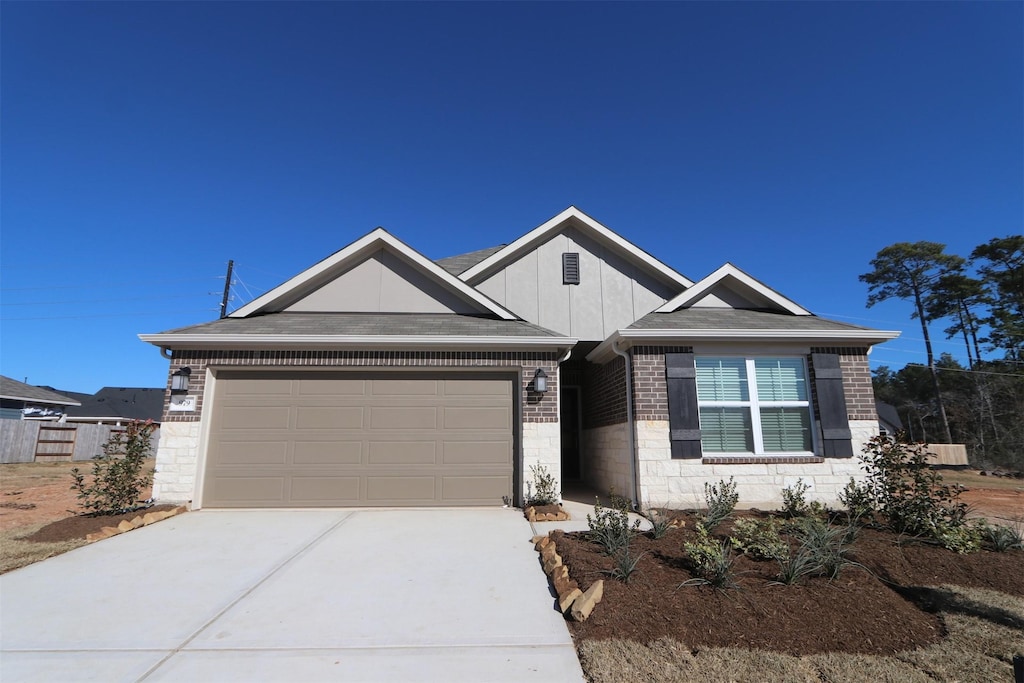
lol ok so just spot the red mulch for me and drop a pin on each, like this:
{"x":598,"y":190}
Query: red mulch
{"x":82,"y":525}
{"x":860,"y":611}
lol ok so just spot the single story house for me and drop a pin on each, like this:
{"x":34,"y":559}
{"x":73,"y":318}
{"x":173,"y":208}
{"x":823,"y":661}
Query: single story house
{"x":119,"y":405}
{"x":23,"y":401}
{"x":889,"y":422}
{"x":378,"y":377}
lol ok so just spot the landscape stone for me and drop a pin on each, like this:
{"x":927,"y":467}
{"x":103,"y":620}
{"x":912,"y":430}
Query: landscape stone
{"x":125,"y":525}
{"x":566,"y":601}
{"x":584,"y":604}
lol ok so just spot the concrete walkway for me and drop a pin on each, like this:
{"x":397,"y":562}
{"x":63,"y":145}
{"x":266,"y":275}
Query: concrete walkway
{"x":354,"y":595}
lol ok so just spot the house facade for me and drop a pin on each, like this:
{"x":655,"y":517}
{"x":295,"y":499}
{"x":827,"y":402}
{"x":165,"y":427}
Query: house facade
{"x":378,"y":377}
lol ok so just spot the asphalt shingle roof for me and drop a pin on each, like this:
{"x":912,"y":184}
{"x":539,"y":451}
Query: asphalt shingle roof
{"x":136,"y":403}
{"x":737,"y":319}
{"x":19,"y":391}
{"x":457,"y":265}
{"x":370,"y":324}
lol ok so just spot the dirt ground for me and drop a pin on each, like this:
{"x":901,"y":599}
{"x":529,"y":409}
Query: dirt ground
{"x":36,"y":493}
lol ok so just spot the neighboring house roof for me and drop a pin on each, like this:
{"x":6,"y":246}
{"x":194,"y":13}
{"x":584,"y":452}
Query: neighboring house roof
{"x":588,"y":225}
{"x":732,"y":278}
{"x":887,"y":413}
{"x":134,"y":403}
{"x":456,"y":265}
{"x":358,"y":252}
{"x":341,"y":329}
{"x":14,"y":390}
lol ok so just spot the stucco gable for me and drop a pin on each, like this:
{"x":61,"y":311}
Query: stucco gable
{"x":376,"y":274}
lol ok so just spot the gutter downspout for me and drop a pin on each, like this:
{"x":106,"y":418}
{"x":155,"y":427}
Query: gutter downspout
{"x":166,"y":353}
{"x":634,"y":466}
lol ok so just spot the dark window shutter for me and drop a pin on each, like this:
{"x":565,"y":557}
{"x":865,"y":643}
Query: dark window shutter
{"x":683,"y":417}
{"x":835,"y":426}
{"x":570,"y":269}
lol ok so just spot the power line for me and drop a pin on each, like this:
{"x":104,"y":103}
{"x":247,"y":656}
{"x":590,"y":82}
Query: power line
{"x":133,"y":314}
{"x":105,"y":285}
{"x":103,"y":301}
{"x":974,"y":372}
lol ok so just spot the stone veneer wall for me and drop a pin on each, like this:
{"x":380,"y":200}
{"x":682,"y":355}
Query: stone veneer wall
{"x":177,"y":458}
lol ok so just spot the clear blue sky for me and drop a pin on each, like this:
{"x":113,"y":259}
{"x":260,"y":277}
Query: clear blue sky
{"x":145,"y":144}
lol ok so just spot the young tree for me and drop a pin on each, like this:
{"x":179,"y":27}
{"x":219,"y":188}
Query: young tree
{"x":955,"y":296}
{"x":909,"y":270}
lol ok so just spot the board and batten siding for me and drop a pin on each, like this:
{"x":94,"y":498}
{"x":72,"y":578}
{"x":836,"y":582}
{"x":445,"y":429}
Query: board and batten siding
{"x":613,"y":292}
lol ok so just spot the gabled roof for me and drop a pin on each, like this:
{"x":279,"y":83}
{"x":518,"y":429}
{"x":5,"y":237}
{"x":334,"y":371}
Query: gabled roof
{"x":135,"y":403}
{"x":360,"y":330}
{"x":888,"y":413}
{"x":456,"y":265}
{"x":14,"y":390}
{"x":731,"y":277}
{"x":357,"y":252}
{"x":589,"y":226}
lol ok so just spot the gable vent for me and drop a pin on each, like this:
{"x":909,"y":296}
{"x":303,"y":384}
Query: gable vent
{"x":570,"y":269}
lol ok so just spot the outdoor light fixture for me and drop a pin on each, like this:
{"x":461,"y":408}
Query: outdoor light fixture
{"x":540,"y":381}
{"x":179,"y":381}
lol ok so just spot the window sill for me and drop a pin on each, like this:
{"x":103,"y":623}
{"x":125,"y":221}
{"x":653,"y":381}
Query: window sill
{"x":761,"y":459}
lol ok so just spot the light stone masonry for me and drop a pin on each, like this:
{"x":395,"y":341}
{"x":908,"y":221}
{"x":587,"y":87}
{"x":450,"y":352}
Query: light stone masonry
{"x":607,"y":459}
{"x":542,"y":445}
{"x":176,"y":460}
{"x":680,"y":483}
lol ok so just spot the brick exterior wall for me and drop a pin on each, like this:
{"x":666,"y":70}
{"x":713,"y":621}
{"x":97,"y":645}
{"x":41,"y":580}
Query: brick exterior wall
{"x":860,"y":396}
{"x":535,"y":407}
{"x":604,"y":394}
{"x":650,"y":392}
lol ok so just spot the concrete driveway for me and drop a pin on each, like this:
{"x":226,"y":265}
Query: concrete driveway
{"x":289,"y":595}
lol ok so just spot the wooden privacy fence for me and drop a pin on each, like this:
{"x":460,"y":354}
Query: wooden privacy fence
{"x":37,"y":441}
{"x":947,"y":453}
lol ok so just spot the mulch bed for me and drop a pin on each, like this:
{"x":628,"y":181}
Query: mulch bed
{"x":873,"y":611}
{"x":80,"y":526}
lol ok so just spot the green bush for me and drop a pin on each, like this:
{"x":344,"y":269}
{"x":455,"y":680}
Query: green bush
{"x":117,"y":476}
{"x":660,"y":523}
{"x":721,"y":500}
{"x":826,"y":545}
{"x":542,"y":490}
{"x":625,"y":565}
{"x":712,"y":560}
{"x":609,"y":527}
{"x":1000,"y":538}
{"x":759,"y":538}
{"x":858,"y":500}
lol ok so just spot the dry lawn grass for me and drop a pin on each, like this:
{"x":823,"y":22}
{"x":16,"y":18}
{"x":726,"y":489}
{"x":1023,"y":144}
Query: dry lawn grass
{"x":985,"y":629}
{"x":971,"y":479}
{"x":15,"y":553}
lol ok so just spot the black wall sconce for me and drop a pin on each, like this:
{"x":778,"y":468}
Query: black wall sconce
{"x":179,"y":381}
{"x":540,"y":381}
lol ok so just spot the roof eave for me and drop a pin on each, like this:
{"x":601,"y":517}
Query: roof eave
{"x":630,"y":337}
{"x":41,"y":400}
{"x":332,"y":341}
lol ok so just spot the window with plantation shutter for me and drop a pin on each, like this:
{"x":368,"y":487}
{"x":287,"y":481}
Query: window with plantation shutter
{"x":757,"y":406}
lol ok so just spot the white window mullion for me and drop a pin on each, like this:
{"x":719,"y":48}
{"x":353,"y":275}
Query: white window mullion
{"x":755,"y":407}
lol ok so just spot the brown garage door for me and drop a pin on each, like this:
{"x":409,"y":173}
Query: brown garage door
{"x":316,"y":439}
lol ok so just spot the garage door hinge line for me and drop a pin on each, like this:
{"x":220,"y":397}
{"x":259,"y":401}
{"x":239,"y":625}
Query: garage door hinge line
{"x":288,"y":560}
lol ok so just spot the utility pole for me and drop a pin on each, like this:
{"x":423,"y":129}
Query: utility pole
{"x":227,"y":290}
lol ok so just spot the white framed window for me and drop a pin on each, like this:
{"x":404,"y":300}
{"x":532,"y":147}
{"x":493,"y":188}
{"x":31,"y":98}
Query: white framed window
{"x":754,"y":405}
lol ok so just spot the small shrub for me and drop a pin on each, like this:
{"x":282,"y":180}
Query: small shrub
{"x":721,"y":500}
{"x":826,"y":545}
{"x":1000,"y":538}
{"x":857,"y":500}
{"x":542,"y":490}
{"x":625,"y":565}
{"x":660,"y":523}
{"x":609,"y":527}
{"x":794,"y":501}
{"x":712,"y":560}
{"x":960,"y":538}
{"x":117,"y":476}
{"x":759,"y":538}
{"x":795,"y":566}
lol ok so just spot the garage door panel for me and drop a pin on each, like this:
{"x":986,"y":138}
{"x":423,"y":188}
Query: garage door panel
{"x":244,"y":491}
{"x":359,"y":438}
{"x":310,"y":417}
{"x":255,"y":418}
{"x":385,"y":489}
{"x":477,"y":453}
{"x":403,"y":453}
{"x":481,"y":488}
{"x":328,"y":452}
{"x":404,"y":387}
{"x":325,"y":490}
{"x":332,"y":387}
{"x":477,"y":387}
{"x":477,"y":418}
{"x":253,"y":453}
{"x":258,"y":387}
{"x":403,"y":418}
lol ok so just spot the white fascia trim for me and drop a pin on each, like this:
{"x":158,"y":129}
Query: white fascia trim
{"x":726,"y":271}
{"x":241,"y":341}
{"x":370,"y":242}
{"x":53,"y":402}
{"x":477,"y":272}
{"x":680,"y":337}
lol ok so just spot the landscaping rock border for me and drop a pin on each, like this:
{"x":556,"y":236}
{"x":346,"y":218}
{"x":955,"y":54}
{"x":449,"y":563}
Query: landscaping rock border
{"x":572,"y":601}
{"x":134,"y":523}
{"x":543,"y":513}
